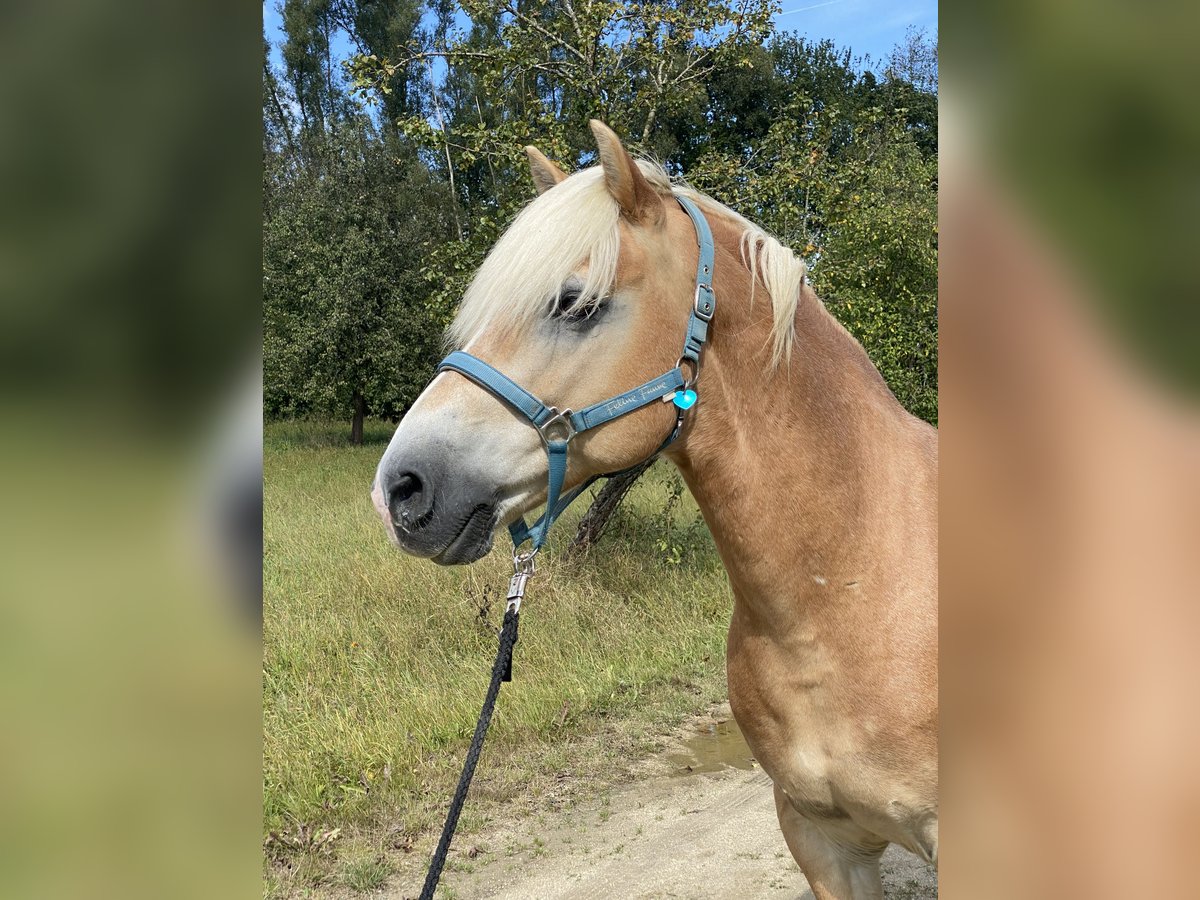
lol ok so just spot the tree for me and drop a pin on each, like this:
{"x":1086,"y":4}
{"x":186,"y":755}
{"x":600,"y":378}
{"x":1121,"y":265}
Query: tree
{"x":309,"y":66}
{"x":349,"y":215}
{"x":915,"y":61}
{"x":383,"y":28}
{"x":346,"y":324}
{"x":535,"y":71}
{"x":856,"y":197}
{"x":911,"y":86}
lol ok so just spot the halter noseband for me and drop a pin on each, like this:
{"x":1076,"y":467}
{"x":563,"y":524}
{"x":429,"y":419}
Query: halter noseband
{"x":558,"y":427}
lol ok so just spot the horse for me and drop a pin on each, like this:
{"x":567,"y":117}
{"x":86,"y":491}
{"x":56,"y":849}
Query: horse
{"x":819,"y":488}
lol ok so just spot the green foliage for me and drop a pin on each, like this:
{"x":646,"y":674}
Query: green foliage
{"x":850,"y":184}
{"x":309,"y":26}
{"x":542,"y":68}
{"x":535,"y":72}
{"x":876,"y":266}
{"x":344,"y":302}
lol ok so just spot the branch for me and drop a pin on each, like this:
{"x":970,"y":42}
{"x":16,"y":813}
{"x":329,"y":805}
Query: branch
{"x":570,"y":8}
{"x":533,"y":23}
{"x":596,"y":518}
{"x":738,"y":31}
{"x":437,"y":108}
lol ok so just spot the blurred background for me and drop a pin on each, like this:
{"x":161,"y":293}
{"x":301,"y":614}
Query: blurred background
{"x":135,"y":169}
{"x":1070,"y":497}
{"x":130,"y":311}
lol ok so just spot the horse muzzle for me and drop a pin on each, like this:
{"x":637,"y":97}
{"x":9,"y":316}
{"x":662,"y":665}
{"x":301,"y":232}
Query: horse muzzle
{"x":430,"y":514}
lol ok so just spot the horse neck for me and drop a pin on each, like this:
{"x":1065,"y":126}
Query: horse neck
{"x":789,"y":466}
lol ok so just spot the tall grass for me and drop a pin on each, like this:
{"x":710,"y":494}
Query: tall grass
{"x":375,"y":663}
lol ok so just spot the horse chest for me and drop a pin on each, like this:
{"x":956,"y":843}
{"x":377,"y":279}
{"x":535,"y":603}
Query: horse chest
{"x":820,"y":753}
{"x":784,"y":707}
{"x":806,"y":777}
{"x":790,"y":699}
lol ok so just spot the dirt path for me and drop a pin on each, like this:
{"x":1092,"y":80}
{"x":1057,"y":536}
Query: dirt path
{"x":700,"y":824}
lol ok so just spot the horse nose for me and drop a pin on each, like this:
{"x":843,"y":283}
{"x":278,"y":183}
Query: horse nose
{"x":409,"y":500}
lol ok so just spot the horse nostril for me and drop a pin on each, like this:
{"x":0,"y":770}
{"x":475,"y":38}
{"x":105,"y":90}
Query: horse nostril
{"x":408,"y":501}
{"x":406,"y":485}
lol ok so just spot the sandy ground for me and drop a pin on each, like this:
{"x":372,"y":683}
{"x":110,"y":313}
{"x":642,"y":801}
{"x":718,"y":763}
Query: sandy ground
{"x":699,"y":823}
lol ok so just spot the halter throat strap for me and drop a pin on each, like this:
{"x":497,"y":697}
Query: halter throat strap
{"x":557,"y":427}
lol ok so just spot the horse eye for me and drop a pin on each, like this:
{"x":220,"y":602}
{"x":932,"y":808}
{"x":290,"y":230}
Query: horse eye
{"x":572,"y":307}
{"x":566,"y":305}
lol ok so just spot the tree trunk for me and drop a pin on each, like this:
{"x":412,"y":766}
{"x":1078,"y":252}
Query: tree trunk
{"x":596,"y":518}
{"x":360,"y":412}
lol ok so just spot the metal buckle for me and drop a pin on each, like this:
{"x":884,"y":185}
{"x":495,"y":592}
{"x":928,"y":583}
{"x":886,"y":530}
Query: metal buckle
{"x":704,"y":316}
{"x":557,"y":420}
{"x":516,"y":592}
{"x":523,"y":570}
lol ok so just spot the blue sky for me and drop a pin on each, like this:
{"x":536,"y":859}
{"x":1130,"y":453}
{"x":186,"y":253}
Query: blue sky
{"x":868,"y":27}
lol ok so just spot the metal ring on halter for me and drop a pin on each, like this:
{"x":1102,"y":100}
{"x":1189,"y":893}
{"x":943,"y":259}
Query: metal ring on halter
{"x":523,"y":562}
{"x":689,"y":383}
{"x":557,"y":420}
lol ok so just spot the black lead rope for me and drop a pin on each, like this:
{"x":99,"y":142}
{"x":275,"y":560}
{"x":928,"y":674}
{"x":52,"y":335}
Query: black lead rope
{"x":501,"y":671}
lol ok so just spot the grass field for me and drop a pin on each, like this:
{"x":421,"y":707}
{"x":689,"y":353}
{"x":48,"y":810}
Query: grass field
{"x":375,"y":663}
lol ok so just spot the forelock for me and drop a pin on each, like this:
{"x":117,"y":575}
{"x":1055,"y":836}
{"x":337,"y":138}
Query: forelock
{"x":572,"y":224}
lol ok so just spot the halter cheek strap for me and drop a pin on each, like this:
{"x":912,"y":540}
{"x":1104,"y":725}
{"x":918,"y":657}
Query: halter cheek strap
{"x":558,"y":427}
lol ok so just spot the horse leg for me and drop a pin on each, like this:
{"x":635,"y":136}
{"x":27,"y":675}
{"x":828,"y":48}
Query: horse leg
{"x":835,"y":870}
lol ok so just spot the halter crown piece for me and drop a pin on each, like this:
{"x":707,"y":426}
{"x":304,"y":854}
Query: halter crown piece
{"x":558,"y":427}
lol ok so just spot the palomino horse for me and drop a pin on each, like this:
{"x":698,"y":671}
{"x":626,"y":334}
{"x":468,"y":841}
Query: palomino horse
{"x":819,"y":489}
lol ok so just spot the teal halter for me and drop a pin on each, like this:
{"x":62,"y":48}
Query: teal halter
{"x":558,"y":427}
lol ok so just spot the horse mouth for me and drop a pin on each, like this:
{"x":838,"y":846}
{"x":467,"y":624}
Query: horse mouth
{"x":473,"y":540}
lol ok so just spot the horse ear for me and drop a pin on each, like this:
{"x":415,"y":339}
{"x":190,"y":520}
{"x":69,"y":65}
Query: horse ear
{"x":639,"y":201}
{"x":545,"y":173}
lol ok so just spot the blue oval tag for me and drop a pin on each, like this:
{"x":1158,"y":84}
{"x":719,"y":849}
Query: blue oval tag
{"x":685,"y":399}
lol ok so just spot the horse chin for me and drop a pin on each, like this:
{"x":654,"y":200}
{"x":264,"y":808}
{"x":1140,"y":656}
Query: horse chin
{"x":457,"y":555}
{"x":473,"y":541}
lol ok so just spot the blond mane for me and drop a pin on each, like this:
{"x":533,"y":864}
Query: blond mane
{"x":577,"y":220}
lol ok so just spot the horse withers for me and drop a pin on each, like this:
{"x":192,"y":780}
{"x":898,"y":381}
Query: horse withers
{"x":819,"y":488}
